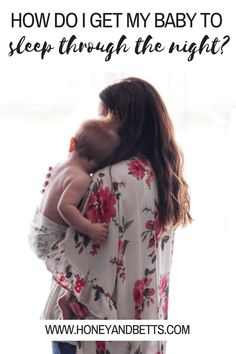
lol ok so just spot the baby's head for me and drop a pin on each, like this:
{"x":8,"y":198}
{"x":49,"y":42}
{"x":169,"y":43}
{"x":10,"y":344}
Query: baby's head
{"x":96,"y":140}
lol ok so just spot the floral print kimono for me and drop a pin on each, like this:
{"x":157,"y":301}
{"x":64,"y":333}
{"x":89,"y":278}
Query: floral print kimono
{"x":128,"y":276}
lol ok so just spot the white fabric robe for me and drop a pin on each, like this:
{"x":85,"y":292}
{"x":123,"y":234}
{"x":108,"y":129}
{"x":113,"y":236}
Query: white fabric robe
{"x":128,"y":276}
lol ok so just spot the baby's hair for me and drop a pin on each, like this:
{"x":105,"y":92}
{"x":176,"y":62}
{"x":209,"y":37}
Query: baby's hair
{"x":96,"y":140}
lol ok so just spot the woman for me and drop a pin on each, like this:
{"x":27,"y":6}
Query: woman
{"x":143,"y":197}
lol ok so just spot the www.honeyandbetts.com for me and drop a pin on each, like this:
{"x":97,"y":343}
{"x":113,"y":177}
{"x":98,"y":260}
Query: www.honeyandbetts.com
{"x":117,"y":329}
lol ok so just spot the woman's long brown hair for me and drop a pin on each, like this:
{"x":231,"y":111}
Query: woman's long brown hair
{"x":146,"y":130}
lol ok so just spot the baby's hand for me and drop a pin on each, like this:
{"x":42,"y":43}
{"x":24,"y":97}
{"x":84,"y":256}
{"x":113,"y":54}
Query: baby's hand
{"x":98,"y":232}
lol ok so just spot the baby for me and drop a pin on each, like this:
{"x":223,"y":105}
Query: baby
{"x":66,"y":185}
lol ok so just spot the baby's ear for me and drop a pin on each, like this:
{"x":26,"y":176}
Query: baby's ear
{"x":72,"y":146}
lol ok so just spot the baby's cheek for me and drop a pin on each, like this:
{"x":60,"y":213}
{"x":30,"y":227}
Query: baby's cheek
{"x":102,"y":109}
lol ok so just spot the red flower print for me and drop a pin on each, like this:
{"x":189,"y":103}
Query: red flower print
{"x":92,"y":199}
{"x":106,"y":204}
{"x":142,"y":294}
{"x":101,"y":346}
{"x":140,"y":169}
{"x":138,"y":312}
{"x":61,"y":279}
{"x":91,"y":210}
{"x":85,"y":312}
{"x":147,"y":281}
{"x":149,"y":225}
{"x":151,"y":292}
{"x":138,"y":292}
{"x":92,"y":215}
{"x":151,"y":176}
{"x":163,"y":284}
{"x":151,"y":242}
{"x":101,"y":206}
{"x":79,"y":310}
{"x":79,"y":284}
{"x":157,"y":225}
{"x":137,"y":168}
{"x":164,"y":305}
{"x":152,"y":225}
{"x":95,"y":248}
{"x":120,"y":246}
{"x":120,"y":262}
{"x":120,"y":266}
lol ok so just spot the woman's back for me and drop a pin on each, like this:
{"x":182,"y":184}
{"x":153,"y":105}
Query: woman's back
{"x":134,"y":263}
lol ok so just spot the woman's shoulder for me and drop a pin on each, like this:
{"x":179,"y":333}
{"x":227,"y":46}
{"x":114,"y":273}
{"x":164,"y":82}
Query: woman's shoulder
{"x":136,"y":167}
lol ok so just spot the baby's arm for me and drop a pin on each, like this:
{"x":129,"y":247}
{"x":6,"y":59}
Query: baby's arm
{"x":67,"y":208}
